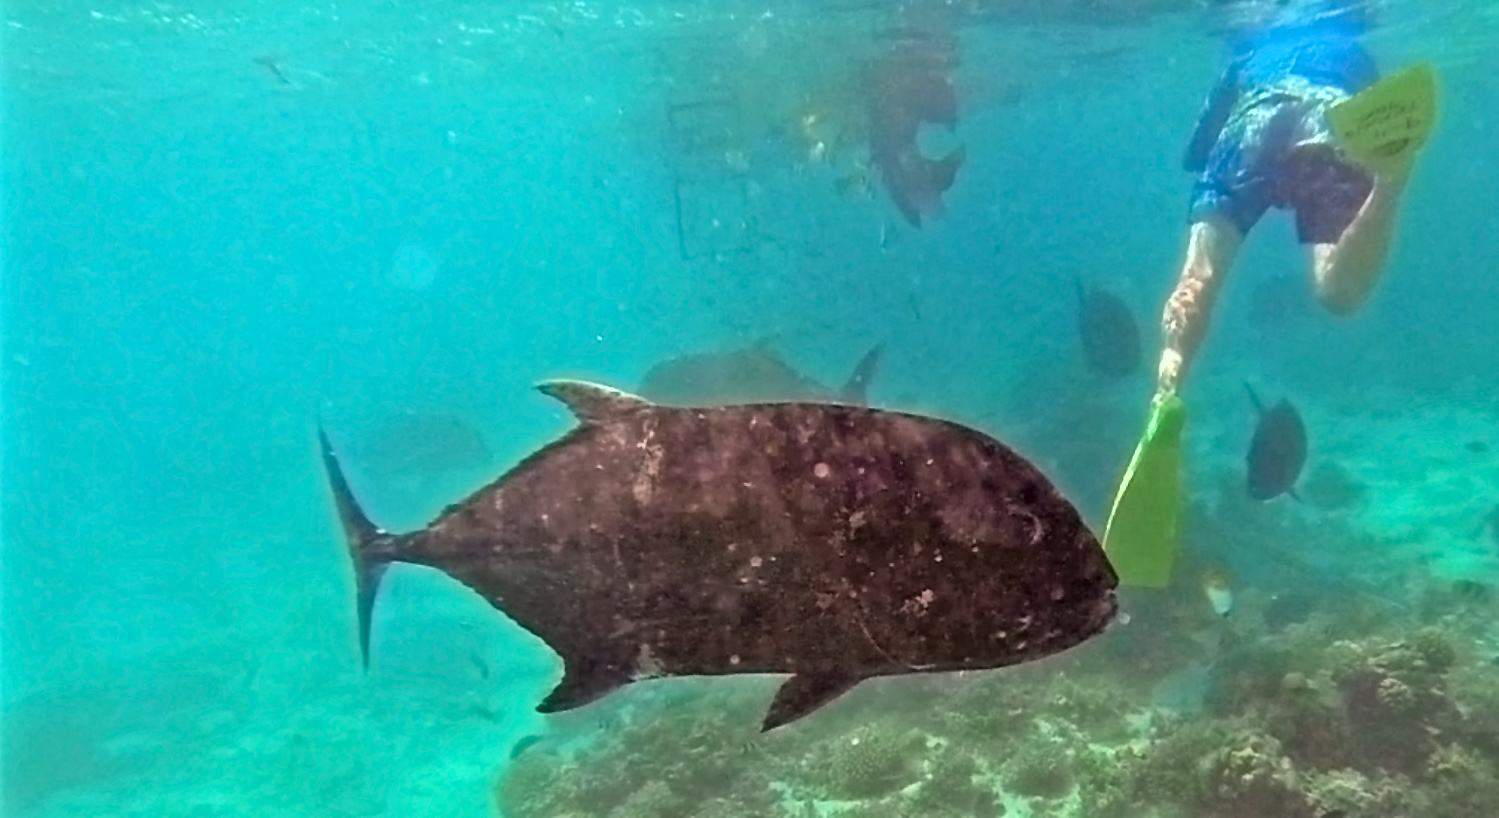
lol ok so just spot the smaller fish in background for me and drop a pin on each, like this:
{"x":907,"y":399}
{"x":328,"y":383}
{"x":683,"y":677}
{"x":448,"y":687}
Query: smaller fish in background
{"x":274,"y":67}
{"x":1218,"y":590}
{"x":480,"y":666}
{"x":1472,"y":591}
{"x":1111,"y":339}
{"x":1491,"y":525}
{"x":1477,"y":447}
{"x":1277,"y":451}
{"x":856,"y":388}
{"x":525,"y":743}
{"x":756,"y":374}
{"x":910,"y":87}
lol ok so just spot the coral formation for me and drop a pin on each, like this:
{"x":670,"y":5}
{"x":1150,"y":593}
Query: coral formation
{"x":1303,"y":709}
{"x":1042,"y":769}
{"x":1249,"y":777}
{"x":867,"y":763}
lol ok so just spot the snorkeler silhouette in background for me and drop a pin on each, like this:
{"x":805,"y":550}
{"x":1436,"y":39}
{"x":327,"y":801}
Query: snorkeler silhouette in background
{"x":1300,"y":120}
{"x":1263,"y":141}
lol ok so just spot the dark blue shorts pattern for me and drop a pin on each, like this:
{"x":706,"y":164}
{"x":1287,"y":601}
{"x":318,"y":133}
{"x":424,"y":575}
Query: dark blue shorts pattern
{"x":1275,"y":150}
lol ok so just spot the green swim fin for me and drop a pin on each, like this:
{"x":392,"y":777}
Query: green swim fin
{"x":1384,"y":125}
{"x":1143,"y":533}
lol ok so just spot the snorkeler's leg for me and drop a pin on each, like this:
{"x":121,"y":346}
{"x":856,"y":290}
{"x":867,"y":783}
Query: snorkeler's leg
{"x":1211,"y":247}
{"x":1347,"y":270}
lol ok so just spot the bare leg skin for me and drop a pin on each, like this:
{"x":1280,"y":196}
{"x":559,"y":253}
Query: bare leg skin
{"x":1211,"y":247}
{"x":1346,"y":271}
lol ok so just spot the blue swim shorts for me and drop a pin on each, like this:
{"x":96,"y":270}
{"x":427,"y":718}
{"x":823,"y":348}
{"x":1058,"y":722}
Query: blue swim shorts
{"x":1276,"y":150}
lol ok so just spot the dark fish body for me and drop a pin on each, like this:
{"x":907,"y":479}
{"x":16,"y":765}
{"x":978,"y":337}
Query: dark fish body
{"x":1111,"y":339}
{"x":832,"y":542}
{"x":1277,"y":451}
{"x":752,"y":375}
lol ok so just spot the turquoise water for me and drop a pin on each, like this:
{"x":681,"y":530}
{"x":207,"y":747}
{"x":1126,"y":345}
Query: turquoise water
{"x":224,"y":223}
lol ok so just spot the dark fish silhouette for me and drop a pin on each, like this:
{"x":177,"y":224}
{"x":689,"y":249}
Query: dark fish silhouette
{"x":752,"y":375}
{"x":1472,"y":590}
{"x":835,"y":543}
{"x":908,"y":89}
{"x":1278,"y":450}
{"x":1111,"y":339}
{"x":1491,"y":523}
{"x":274,"y":67}
{"x":525,"y":743}
{"x":412,"y":444}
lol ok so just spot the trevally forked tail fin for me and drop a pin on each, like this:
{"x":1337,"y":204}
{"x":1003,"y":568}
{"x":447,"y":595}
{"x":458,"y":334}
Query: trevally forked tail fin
{"x":360,"y":534}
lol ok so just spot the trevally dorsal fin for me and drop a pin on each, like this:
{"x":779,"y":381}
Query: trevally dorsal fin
{"x":592,"y":402}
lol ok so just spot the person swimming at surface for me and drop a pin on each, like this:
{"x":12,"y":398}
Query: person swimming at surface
{"x":1263,"y":141}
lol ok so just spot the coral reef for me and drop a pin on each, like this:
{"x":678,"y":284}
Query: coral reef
{"x":1354,"y":710}
{"x":869,"y":762}
{"x":954,"y":785}
{"x":1394,"y":697}
{"x":1043,"y":768}
{"x":698,"y":755}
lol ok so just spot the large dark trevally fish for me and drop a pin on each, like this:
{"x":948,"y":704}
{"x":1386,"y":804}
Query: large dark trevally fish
{"x":754,"y":374}
{"x":832,"y":542}
{"x":1111,"y":340}
{"x":1278,"y":450}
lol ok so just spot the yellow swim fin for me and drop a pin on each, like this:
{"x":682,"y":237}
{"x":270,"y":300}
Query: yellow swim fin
{"x":1384,"y":125}
{"x":1143,"y":533}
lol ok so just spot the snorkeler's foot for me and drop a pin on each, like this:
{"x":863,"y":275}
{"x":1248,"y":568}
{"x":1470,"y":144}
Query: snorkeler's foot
{"x":1394,"y":177}
{"x":1168,"y":373}
{"x":1385,"y":125}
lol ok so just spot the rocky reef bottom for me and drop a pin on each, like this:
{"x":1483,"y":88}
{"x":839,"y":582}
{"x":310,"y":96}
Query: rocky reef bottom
{"x":1349,"y":709}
